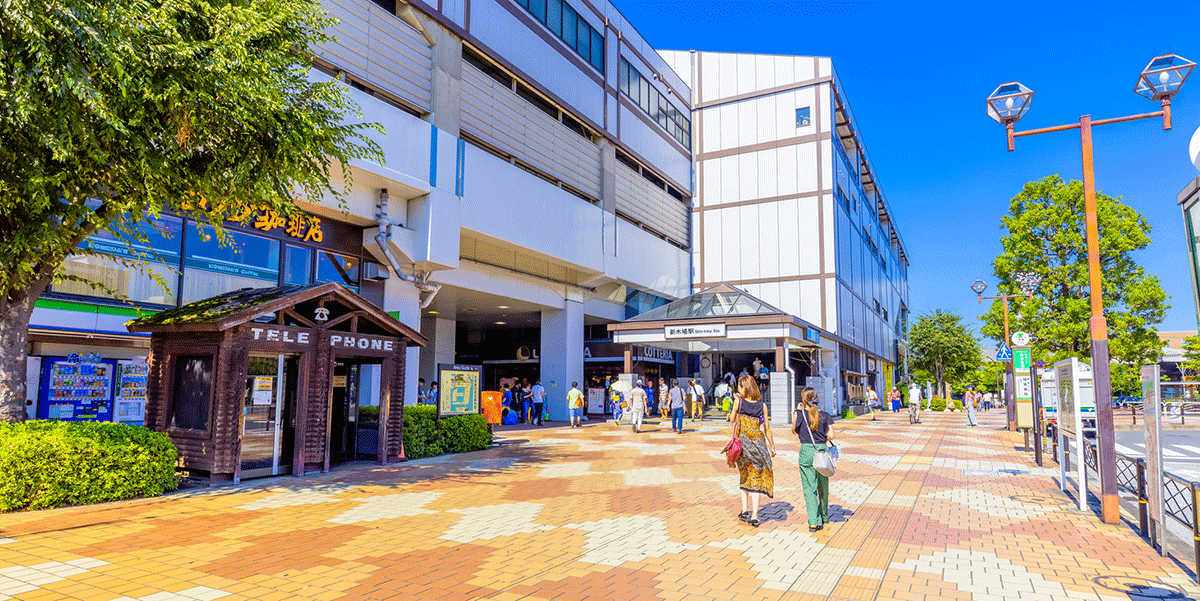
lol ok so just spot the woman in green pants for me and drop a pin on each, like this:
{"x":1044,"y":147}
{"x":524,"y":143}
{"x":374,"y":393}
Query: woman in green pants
{"x":815,"y":430}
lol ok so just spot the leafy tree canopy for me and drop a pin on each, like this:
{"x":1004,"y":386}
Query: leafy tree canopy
{"x":113,"y":111}
{"x":1045,"y":235}
{"x":941,"y":345}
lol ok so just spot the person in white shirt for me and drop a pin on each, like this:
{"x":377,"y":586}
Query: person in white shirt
{"x":697,"y":392}
{"x":637,"y":406}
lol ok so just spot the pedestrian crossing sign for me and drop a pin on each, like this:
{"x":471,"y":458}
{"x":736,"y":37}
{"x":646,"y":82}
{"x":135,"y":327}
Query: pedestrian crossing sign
{"x":1004,"y":353}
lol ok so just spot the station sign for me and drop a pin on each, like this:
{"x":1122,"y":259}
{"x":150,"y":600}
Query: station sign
{"x":703,"y":330}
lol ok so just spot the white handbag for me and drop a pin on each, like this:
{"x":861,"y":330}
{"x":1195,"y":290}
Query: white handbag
{"x":825,"y":463}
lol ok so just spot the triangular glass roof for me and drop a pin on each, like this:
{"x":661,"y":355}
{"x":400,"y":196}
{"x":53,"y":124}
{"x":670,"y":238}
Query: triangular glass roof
{"x":721,"y":300}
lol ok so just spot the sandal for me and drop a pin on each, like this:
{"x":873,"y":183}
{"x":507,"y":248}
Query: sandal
{"x":814,"y":528}
{"x":753,"y":522}
{"x":743,"y":516}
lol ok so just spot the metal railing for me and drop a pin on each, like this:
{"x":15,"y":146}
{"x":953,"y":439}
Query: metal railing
{"x":1171,"y":409}
{"x":1181,"y":497}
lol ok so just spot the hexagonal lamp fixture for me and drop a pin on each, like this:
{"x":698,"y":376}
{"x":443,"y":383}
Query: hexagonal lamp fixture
{"x":1009,"y":103}
{"x":978,"y":288}
{"x":1163,"y":77}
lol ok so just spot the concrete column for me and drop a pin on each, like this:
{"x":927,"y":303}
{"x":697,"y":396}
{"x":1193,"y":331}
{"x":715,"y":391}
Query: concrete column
{"x":562,"y":355}
{"x":403,"y":299}
{"x":608,"y":195}
{"x":441,"y":334}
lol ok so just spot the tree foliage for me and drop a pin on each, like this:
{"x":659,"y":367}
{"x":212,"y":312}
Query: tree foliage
{"x":113,"y":111}
{"x":943,"y":346}
{"x":1045,"y":235}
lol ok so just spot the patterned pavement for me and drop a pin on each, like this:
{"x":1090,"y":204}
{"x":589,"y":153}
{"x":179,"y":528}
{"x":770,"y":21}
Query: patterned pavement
{"x":932,"y":511}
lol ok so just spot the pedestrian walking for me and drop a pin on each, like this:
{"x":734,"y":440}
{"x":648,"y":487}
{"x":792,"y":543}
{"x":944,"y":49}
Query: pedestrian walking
{"x":697,"y":401}
{"x":432,"y":395}
{"x":539,"y":401}
{"x":873,"y":402}
{"x":814,"y":428}
{"x":970,"y":402}
{"x":637,"y":406}
{"x":575,"y":402}
{"x":422,"y":392}
{"x":752,"y":426}
{"x":675,"y":398}
{"x":987,"y":401}
{"x":894,"y":399}
{"x":663,"y":389}
{"x":527,"y":403}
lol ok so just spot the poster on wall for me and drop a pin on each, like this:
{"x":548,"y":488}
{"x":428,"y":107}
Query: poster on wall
{"x":459,"y":389}
{"x":595,"y":401}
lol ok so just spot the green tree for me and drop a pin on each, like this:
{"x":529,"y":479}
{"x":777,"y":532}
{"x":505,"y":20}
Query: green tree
{"x":112,"y":111}
{"x":943,"y":346}
{"x":1045,"y":235}
{"x":1190,"y":366}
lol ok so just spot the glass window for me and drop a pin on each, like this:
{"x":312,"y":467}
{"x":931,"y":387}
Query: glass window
{"x":159,"y":252}
{"x":192,"y":389}
{"x":644,"y":99}
{"x":297,"y":265}
{"x":554,"y":16}
{"x":570,"y":21}
{"x":243,"y":261}
{"x":597,"y":50}
{"x":538,"y":8}
{"x":332,"y":267}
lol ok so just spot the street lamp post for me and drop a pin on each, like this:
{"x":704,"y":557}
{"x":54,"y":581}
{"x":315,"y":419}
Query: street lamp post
{"x":1029,"y":282}
{"x":1159,"y":81}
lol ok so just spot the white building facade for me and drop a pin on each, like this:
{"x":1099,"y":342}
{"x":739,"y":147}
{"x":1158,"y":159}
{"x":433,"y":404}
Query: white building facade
{"x":788,"y":207}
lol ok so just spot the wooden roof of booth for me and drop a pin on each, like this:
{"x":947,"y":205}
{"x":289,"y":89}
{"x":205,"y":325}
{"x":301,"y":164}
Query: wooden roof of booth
{"x":233,"y":309}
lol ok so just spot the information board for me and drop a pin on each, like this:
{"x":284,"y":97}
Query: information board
{"x":1152,"y":395}
{"x":1069,"y":374}
{"x":595,"y":401}
{"x":1023,"y":385}
{"x":460,"y":390}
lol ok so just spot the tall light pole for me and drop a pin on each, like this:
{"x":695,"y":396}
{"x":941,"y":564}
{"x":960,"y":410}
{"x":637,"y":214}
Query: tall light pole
{"x":1028,"y":281}
{"x":1159,"y":81}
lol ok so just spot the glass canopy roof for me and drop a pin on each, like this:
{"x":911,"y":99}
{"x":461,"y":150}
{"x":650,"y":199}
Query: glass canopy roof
{"x":721,"y":300}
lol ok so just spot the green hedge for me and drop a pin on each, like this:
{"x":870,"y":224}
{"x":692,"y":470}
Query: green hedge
{"x":848,"y":414}
{"x":937,"y":404}
{"x":45,"y":464}
{"x":425,"y":436}
{"x":958,"y":404}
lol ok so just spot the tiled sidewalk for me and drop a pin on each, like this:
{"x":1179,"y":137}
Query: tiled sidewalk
{"x":932,"y":511}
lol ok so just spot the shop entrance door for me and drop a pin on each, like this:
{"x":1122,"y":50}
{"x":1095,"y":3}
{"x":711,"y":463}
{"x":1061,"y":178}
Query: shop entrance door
{"x":269,"y":415}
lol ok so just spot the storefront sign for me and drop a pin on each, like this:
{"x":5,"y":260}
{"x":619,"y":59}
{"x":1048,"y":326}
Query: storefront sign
{"x":297,"y":225}
{"x":704,"y":330}
{"x":812,"y":334}
{"x":277,"y":334}
{"x":460,"y":389}
{"x":361,"y":342}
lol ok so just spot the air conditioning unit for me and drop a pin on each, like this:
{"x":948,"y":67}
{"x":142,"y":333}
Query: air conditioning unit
{"x":374,"y":272}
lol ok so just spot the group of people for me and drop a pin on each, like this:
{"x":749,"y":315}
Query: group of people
{"x":674,"y":402}
{"x":527,"y":401}
{"x":752,"y":427}
{"x":427,"y":396}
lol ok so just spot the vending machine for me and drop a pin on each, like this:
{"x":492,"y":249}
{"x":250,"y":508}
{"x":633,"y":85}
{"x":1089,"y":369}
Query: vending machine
{"x":76,"y":388}
{"x":131,"y":391}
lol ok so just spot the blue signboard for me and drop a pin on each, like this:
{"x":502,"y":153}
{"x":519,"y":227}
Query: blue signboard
{"x":1004,"y":353}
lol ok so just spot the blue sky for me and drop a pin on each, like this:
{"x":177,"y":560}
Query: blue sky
{"x":916,"y":78}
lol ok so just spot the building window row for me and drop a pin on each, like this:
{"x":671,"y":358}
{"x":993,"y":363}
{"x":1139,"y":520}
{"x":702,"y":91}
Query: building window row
{"x":649,"y":175}
{"x":634,"y":85}
{"x":564,"y":22}
{"x":184,"y":261}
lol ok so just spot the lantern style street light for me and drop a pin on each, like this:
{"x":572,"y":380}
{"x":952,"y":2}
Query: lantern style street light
{"x":1159,"y":81}
{"x":1028,"y":281}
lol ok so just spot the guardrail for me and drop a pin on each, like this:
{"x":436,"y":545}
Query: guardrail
{"x":1171,"y":409}
{"x":1181,"y":498}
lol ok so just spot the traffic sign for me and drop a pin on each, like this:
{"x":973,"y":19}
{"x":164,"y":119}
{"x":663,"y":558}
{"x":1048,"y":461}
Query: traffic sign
{"x":1020,"y":339}
{"x":1004,"y":353}
{"x":1040,"y":364}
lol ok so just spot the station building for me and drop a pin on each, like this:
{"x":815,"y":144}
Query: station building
{"x":788,"y":207}
{"x":547,"y":173}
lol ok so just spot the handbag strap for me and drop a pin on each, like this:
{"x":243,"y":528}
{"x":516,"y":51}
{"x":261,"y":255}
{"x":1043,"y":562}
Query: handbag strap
{"x":808,"y":426}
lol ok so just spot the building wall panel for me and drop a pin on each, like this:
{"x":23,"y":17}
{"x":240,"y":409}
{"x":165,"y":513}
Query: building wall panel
{"x":380,"y":49}
{"x":652,"y":206}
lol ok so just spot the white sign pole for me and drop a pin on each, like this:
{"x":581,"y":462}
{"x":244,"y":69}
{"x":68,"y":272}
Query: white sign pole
{"x":1151,"y":394}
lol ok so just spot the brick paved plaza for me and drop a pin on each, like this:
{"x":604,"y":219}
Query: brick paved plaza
{"x":933,"y":511}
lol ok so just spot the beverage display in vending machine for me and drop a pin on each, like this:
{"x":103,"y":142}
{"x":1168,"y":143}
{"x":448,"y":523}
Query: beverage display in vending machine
{"x":131,"y":391}
{"x":77,"y":388}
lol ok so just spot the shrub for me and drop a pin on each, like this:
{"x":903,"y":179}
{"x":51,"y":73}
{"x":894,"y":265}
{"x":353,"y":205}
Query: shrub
{"x":45,"y":464}
{"x":848,"y":414}
{"x":463,"y":433}
{"x":368,"y":414}
{"x":937,"y":404}
{"x":958,"y":404}
{"x":421,"y":436}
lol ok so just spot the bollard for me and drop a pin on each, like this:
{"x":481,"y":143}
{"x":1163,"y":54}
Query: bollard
{"x":1196,"y":528}
{"x":1143,"y":501}
{"x":1133,"y":412}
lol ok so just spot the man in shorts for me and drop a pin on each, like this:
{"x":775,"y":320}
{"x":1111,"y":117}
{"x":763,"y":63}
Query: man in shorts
{"x":575,"y":402}
{"x":697,"y":400}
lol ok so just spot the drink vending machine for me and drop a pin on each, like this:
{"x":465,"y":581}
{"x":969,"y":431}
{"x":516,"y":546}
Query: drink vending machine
{"x":76,"y":388}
